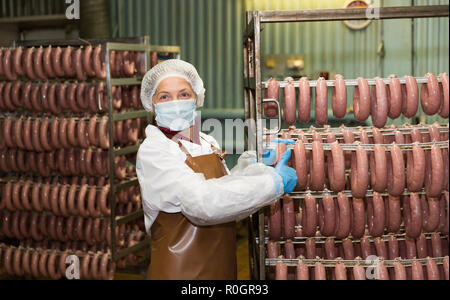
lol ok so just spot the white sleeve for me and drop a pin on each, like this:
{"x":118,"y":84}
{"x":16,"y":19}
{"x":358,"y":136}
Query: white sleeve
{"x":167,"y":182}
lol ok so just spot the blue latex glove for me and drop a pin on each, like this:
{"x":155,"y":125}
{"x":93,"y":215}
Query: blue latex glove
{"x":269,"y":156}
{"x":289,"y":175}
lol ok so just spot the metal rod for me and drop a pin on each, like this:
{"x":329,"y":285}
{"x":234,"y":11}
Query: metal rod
{"x":350,"y":263}
{"x":348,"y":193}
{"x":320,"y":15}
{"x":348,"y":82}
{"x":370,"y":147}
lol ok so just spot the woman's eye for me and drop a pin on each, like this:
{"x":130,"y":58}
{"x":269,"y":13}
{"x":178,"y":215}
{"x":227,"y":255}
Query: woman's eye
{"x":163,"y":98}
{"x":185,"y":95}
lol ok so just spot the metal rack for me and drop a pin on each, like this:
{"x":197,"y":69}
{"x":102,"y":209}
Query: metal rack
{"x":254,"y":85}
{"x":141,"y":44}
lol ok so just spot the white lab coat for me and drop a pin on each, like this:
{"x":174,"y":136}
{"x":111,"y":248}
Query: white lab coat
{"x":169,"y":185}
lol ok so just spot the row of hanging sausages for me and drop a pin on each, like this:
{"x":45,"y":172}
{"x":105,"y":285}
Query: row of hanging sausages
{"x":39,"y":226}
{"x":65,"y":200}
{"x":71,"y":162}
{"x":348,"y":249}
{"x":381,"y":102}
{"x":341,"y":217}
{"x":57,"y":98}
{"x":430,"y":271}
{"x":81,"y":63}
{"x":46,"y":135}
{"x":380,"y":170}
{"x":41,"y":263}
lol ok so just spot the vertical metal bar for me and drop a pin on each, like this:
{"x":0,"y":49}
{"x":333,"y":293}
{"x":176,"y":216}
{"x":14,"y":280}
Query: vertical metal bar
{"x":259,"y":133}
{"x":112,"y":190}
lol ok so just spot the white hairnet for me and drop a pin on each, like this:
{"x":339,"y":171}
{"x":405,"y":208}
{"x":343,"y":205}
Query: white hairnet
{"x":166,"y":69}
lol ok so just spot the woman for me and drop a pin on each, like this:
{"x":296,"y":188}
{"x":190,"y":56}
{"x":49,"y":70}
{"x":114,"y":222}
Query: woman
{"x":190,"y":199}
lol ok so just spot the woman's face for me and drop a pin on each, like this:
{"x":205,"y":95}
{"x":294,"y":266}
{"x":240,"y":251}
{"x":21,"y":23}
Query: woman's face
{"x":173,"y":88}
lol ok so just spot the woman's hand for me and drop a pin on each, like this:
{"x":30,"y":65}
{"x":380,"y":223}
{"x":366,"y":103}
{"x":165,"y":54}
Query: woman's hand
{"x":289,"y":175}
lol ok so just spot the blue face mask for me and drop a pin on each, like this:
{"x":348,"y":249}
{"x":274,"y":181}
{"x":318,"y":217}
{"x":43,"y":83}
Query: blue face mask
{"x":176,"y":115}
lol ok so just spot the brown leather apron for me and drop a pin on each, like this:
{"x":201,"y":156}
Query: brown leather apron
{"x":181,"y":250}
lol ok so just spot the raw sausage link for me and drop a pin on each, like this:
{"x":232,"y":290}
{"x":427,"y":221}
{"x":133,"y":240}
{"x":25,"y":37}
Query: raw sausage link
{"x":361,"y":100}
{"x":8,"y":65}
{"x":376,"y":215}
{"x":275,"y":221}
{"x":321,"y":102}
{"x":444,"y":86}
{"x":47,"y":60}
{"x":288,"y":217}
{"x":415,"y":173}
{"x":396,"y":172}
{"x":304,"y":101}
{"x":410,"y":93}
{"x":393,"y":214}
{"x":434,"y":178}
{"x":359,"y":223}
{"x":343,"y":224}
{"x":431,"y":213}
{"x":394,"y":97}
{"x":317,"y":167}
{"x":336,"y":168}
{"x":378,"y":169}
{"x":359,"y":173}
{"x":290,"y":109}
{"x":309,"y":216}
{"x":430,"y":95}
{"x":379,"y":105}
{"x":327,"y":216}
{"x":412,"y":214}
{"x":38,"y":64}
{"x":339,"y":97}
{"x":99,"y":63}
{"x":301,"y":164}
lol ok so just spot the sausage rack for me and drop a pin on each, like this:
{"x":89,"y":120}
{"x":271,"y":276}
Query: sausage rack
{"x":254,"y":99}
{"x":141,"y":44}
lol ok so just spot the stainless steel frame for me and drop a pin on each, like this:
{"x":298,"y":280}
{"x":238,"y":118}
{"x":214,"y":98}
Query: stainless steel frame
{"x":253,"y":84}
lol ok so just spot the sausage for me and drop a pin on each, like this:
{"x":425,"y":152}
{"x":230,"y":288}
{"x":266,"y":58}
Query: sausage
{"x":358,"y":217}
{"x":336,"y":168}
{"x":57,"y":62}
{"x":82,"y":209}
{"x":302,"y":271}
{"x":444,"y":89}
{"x":71,"y":97}
{"x":339,"y":97}
{"x":393,"y":214}
{"x":340,"y":271}
{"x":100,"y":92}
{"x":444,"y":214}
{"x":288,"y":217}
{"x":319,"y":272}
{"x":54,"y":105}
{"x":45,"y":135}
{"x":430,"y":95}
{"x":412,"y":214}
{"x":436,"y":245}
{"x":289,"y":251}
{"x":275,"y":221}
{"x":103,"y":133}
{"x":47,"y":62}
{"x":17,"y":62}
{"x":343,"y":224}
{"x":410,"y":93}
{"x":67,"y":62}
{"x":380,"y":247}
{"x":376,"y":215}
{"x":378,"y":169}
{"x":417,"y":271}
{"x":327,"y":216}
{"x":38,"y":64}
{"x":396,"y":172}
{"x":415,"y":173}
{"x":361,"y":100}
{"x":2,"y":104}
{"x":431,"y":213}
{"x":82,"y":134}
{"x":304,"y":101}
{"x":359,"y":173}
{"x":107,"y":268}
{"x":400,"y":271}
{"x":8,"y":65}
{"x":434,"y":178}
{"x":99,"y":63}
{"x":63,"y":134}
{"x":359,"y":273}
{"x":393,"y":248}
{"x":15,"y":94}
{"x":317,"y":167}
{"x":119,"y":64}
{"x":309,"y":209}
{"x":381,"y":272}
{"x":290,"y":109}
{"x":71,"y":132}
{"x":87,"y":61}
{"x":7,"y":97}
{"x":81,"y":97}
{"x":379,"y":105}
{"x":78,"y":60}
{"x":432,"y":270}
{"x":301,"y":165}
{"x":321,"y":102}
{"x":272,"y":250}
{"x":394,"y":97}
{"x":330,"y":249}
{"x":129,"y":64}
